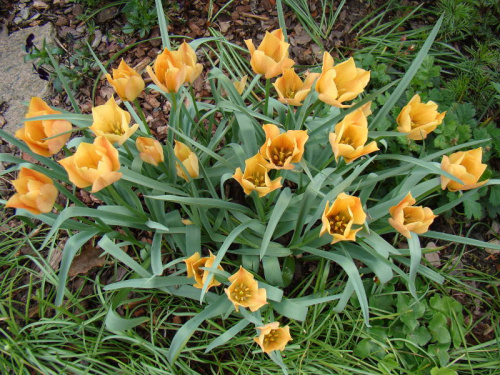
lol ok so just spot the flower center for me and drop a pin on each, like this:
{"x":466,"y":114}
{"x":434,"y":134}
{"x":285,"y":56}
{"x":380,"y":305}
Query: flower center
{"x":271,"y":336}
{"x":241,"y":293}
{"x":347,"y":141}
{"x":408,"y":218}
{"x":290,"y":93}
{"x":116,"y":128}
{"x":279,"y":155}
{"x":258,"y":179}
{"x":338,"y":223}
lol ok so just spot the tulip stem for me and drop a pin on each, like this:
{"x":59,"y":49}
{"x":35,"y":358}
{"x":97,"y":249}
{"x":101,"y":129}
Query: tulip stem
{"x":193,"y":97}
{"x":125,"y":146}
{"x":259,"y":206}
{"x":118,"y":198}
{"x":266,"y":99}
{"x":141,"y":114}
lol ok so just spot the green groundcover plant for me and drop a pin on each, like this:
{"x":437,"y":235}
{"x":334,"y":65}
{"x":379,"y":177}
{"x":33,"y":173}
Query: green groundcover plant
{"x":248,"y":184}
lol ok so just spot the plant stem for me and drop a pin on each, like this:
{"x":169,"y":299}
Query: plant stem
{"x":259,"y":206}
{"x":141,"y":114}
{"x":266,"y":99}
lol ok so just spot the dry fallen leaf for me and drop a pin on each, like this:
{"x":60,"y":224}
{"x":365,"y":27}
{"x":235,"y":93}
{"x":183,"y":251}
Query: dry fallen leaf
{"x":89,"y":258}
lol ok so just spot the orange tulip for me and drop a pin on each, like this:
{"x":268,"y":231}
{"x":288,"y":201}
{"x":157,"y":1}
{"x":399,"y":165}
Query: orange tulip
{"x":244,"y":291}
{"x":351,"y":134}
{"x":35,"y":192}
{"x":466,"y":166}
{"x":419,"y":119}
{"x":93,"y":164}
{"x":150,"y":150}
{"x":34,"y":133}
{"x":174,"y":68}
{"x":283,"y":149}
{"x":291,"y":90}
{"x":271,"y":58}
{"x":256,"y":177}
{"x":112,"y":122}
{"x":193,"y":268}
{"x":273,"y":337}
{"x":188,"y":159}
{"x":406,"y":218}
{"x":340,"y":83}
{"x":339,"y":218}
{"x":127,"y":83}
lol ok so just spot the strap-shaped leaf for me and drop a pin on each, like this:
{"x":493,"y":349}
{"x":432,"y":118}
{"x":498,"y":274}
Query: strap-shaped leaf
{"x":219,"y":306}
{"x":278,"y":211}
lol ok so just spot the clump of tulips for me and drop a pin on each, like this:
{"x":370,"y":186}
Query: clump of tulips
{"x":268,"y":181}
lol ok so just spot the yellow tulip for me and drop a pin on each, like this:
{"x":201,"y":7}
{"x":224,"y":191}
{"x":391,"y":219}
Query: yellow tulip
{"x":193,"y":268}
{"x":419,"y":119}
{"x":256,"y":177}
{"x":283,"y":149}
{"x":406,"y":218}
{"x":93,"y":164}
{"x":244,"y":291}
{"x":34,"y":133}
{"x":339,"y":218}
{"x":35,"y":192}
{"x":273,"y":337}
{"x":340,"y":83}
{"x":291,"y":90}
{"x":466,"y":166}
{"x":188,"y":159}
{"x":271,"y":58}
{"x":174,"y":68}
{"x":150,"y":150}
{"x":127,"y":83}
{"x":351,"y":134}
{"x":112,"y":122}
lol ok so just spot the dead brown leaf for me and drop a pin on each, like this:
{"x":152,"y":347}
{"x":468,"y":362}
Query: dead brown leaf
{"x":89,"y":258}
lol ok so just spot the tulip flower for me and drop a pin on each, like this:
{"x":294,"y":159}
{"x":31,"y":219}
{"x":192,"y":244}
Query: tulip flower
{"x":174,"y":68}
{"x":35,"y":133}
{"x":273,"y":337}
{"x":340,"y":83}
{"x":127,"y":83}
{"x":35,"y":192}
{"x":271,"y":58}
{"x":351,"y":134}
{"x":419,"y":119}
{"x":193,"y":268}
{"x":339,"y":218}
{"x":466,"y":166}
{"x":150,"y":150}
{"x":93,"y":164}
{"x":188,"y":159}
{"x":406,"y":218}
{"x":256,"y":177}
{"x":112,"y":122}
{"x":291,"y":90}
{"x":244,"y":291}
{"x":281,"y":150}
{"x":240,"y":85}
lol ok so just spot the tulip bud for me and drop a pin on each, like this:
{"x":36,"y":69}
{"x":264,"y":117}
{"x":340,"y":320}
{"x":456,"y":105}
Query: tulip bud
{"x":35,"y":133}
{"x":406,"y":218}
{"x":35,"y":192}
{"x":188,"y":159}
{"x":466,"y":166}
{"x":127,"y":83}
{"x":150,"y":150}
{"x":419,"y":119}
{"x":271,"y":58}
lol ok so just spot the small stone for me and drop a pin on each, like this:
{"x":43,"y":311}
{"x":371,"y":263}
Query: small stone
{"x":106,"y":14}
{"x":77,"y":10}
{"x":61,"y":21}
{"x":24,"y":13}
{"x":40,"y":5}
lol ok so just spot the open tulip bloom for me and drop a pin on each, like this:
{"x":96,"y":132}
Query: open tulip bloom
{"x":241,"y":188}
